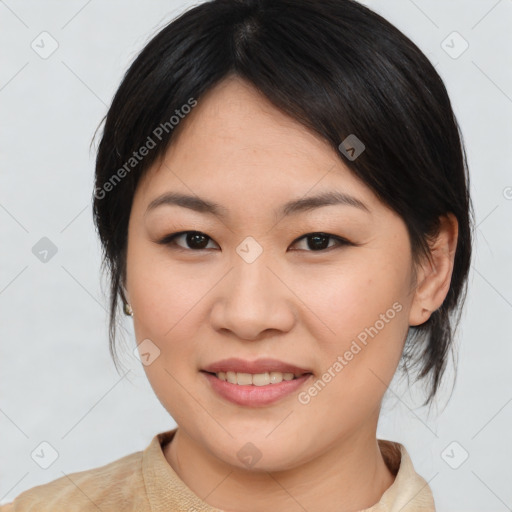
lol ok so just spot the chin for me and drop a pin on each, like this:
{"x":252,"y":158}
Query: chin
{"x":257,"y":451}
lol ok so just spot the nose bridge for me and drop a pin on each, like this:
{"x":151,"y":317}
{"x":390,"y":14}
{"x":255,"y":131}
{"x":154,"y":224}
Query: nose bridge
{"x":252,"y":287}
{"x":252,"y":299}
{"x":252,"y":278}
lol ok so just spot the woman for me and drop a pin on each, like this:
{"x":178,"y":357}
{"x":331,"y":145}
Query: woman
{"x":283,"y":202}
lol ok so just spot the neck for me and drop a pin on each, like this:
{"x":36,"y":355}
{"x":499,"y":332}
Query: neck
{"x":350,"y":476}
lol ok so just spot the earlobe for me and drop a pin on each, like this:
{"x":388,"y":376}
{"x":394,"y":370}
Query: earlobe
{"x":128,"y":311}
{"x":434,"y":277}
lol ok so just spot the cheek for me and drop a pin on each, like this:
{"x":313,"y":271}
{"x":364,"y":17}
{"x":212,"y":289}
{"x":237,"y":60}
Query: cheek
{"x":166,"y":303}
{"x":168,"y":298}
{"x":352,"y":296}
{"x":362,"y":317}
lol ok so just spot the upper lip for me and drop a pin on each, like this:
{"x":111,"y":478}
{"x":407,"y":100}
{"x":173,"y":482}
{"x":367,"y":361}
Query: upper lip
{"x":258,"y":366}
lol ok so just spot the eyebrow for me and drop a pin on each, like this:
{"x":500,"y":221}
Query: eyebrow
{"x":290,"y":208}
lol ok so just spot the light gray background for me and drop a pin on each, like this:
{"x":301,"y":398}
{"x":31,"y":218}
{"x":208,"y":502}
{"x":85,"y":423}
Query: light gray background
{"x":58,"y":383}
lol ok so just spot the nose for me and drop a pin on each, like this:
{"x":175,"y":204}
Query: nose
{"x":253,"y":299}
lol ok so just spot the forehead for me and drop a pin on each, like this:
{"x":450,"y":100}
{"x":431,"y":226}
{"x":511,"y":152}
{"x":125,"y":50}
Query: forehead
{"x":233,"y":120}
{"x":235,"y":143}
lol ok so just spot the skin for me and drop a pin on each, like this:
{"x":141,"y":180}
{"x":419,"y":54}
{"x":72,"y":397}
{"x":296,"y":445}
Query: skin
{"x":293,"y":303}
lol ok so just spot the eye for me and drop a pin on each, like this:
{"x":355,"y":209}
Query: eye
{"x":198,"y":241}
{"x":194,"y":240}
{"x":319,"y":241}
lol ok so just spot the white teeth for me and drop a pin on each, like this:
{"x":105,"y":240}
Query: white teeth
{"x":244,"y":379}
{"x":257,"y":379}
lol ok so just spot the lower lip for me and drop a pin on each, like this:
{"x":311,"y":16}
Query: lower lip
{"x":254,"y":396}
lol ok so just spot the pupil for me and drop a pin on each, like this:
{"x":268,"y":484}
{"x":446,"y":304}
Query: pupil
{"x":318,"y":239}
{"x":194,"y":240}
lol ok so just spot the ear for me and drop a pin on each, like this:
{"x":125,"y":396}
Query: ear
{"x":433,"y":279}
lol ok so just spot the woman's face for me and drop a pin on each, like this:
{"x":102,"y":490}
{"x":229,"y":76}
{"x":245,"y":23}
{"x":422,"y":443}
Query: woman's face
{"x":251,"y":286}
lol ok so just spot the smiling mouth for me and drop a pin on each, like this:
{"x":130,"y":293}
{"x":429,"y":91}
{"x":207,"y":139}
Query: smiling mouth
{"x":257,"y":379}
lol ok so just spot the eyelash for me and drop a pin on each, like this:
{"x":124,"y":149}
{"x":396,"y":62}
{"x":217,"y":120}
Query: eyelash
{"x":169,"y":240}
